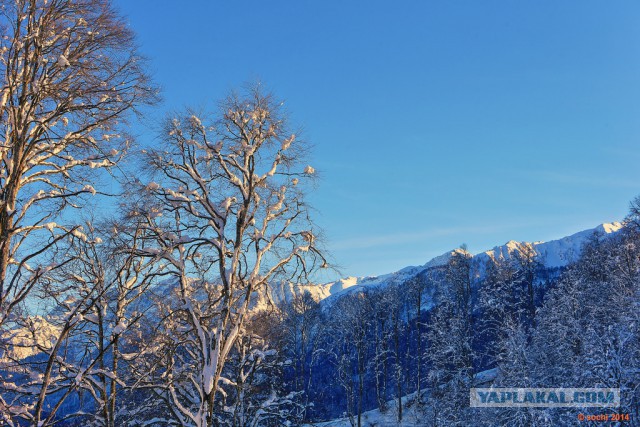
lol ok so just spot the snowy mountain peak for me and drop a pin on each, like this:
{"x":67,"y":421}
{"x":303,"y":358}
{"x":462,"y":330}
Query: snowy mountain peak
{"x":559,"y":253}
{"x":343,"y":284}
{"x":609,"y":227}
{"x":505,"y":251}
{"x":553,"y":254}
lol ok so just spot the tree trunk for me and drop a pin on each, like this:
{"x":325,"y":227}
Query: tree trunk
{"x":114,"y":385}
{"x":398,"y":366}
{"x":419,"y":332}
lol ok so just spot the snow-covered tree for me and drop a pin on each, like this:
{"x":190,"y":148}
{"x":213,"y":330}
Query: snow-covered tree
{"x":259,"y":395}
{"x":589,"y":334}
{"x":396,"y":310}
{"x":450,"y":336}
{"x":382,"y":331}
{"x":74,"y":347}
{"x":299,"y":324}
{"x":498,"y":301}
{"x":416,"y":298}
{"x":69,"y":75}
{"x":516,"y":369}
{"x":449,"y":353}
{"x":226,"y":207}
{"x":351,"y":318}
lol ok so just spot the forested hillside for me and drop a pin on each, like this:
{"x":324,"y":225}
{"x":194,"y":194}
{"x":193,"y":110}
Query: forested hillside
{"x":423,"y":336}
{"x":499,"y":318}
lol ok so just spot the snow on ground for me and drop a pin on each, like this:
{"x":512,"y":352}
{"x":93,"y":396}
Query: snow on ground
{"x":411,"y":416}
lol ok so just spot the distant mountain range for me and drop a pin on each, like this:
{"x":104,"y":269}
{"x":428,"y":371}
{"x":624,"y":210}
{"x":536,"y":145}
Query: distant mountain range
{"x":553,"y":254}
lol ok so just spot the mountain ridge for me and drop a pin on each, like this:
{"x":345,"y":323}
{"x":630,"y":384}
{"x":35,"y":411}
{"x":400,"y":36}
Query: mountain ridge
{"x":556,"y":253}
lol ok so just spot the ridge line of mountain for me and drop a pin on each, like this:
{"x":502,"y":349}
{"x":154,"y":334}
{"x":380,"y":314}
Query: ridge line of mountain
{"x":553,"y":254}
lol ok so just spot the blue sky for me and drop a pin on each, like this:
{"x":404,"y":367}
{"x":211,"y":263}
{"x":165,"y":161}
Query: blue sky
{"x":435,"y":123}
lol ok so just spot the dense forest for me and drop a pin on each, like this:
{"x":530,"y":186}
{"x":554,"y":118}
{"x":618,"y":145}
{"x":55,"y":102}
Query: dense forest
{"x":508,"y":322}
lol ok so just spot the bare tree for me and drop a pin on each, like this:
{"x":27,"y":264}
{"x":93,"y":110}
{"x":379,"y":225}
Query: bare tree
{"x":259,"y":396}
{"x":69,"y":74}
{"x":382,"y":331}
{"x":75,"y":348}
{"x":349,"y":350}
{"x":299,"y":324}
{"x":416,"y":298}
{"x":229,"y":217}
{"x":122,"y":280}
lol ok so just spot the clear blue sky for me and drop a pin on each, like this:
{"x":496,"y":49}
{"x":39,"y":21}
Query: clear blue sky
{"x":434,"y":122}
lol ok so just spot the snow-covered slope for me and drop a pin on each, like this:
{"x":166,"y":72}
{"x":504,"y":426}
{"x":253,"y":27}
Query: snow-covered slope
{"x":552,"y":254}
{"x":328,"y":291}
{"x":412,"y":415}
{"x":555,"y":253}
{"x":24,"y":341}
